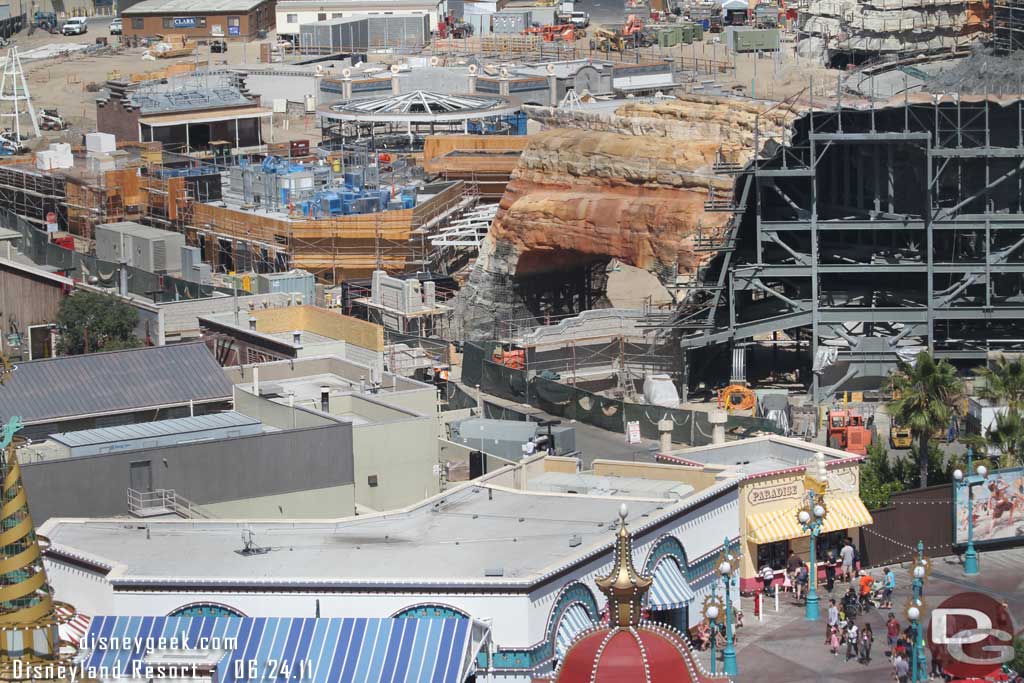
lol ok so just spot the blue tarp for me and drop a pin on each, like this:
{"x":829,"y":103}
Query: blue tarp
{"x":330,"y":650}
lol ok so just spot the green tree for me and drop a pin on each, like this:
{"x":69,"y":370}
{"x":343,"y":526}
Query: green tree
{"x":90,"y":321}
{"x":1006,"y":435}
{"x":1018,"y":651}
{"x":928,"y":391}
{"x":878,"y":480}
{"x":1003,"y":383}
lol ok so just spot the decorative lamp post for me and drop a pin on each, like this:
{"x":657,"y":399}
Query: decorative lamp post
{"x":812,"y":519}
{"x":920,"y":571}
{"x":729,"y":654}
{"x":918,"y":664}
{"x":713,"y":612}
{"x":969,"y":482}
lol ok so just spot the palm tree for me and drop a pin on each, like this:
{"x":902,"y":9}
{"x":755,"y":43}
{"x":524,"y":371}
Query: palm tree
{"x":928,"y":392}
{"x":1004,"y":382}
{"x":1006,"y":435}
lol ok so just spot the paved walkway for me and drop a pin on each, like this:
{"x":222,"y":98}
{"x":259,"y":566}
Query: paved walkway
{"x":786,"y":648}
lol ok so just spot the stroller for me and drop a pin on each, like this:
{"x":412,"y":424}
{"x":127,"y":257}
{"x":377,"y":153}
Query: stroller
{"x":851,"y":603}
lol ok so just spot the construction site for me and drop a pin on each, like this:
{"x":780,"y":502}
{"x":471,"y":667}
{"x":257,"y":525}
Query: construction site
{"x":651,"y":224}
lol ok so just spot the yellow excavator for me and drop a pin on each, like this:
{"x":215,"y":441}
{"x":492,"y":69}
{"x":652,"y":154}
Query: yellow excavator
{"x":607,"y":41}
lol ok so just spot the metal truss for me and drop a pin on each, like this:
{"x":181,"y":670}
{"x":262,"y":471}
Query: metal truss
{"x":875,"y":231}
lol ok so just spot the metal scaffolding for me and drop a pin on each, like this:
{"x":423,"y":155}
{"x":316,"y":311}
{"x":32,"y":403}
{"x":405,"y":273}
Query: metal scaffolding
{"x":1008,"y":25}
{"x":873,"y":234}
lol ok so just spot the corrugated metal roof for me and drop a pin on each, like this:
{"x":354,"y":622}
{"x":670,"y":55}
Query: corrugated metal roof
{"x":142,"y":430}
{"x":117,"y":381}
{"x":187,"y":7}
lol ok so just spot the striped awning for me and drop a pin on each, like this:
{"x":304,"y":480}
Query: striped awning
{"x":573,"y":622}
{"x":670,"y":589}
{"x":844,"y":512}
{"x":315,"y":650}
{"x":75,"y":626}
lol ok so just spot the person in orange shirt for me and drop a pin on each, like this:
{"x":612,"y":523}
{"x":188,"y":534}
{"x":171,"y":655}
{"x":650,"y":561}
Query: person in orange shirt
{"x":866,"y":583}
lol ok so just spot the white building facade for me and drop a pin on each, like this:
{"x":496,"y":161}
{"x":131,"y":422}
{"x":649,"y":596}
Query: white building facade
{"x":531,"y":619}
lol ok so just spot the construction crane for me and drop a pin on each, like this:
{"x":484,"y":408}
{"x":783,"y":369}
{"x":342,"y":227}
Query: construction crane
{"x":633,"y":31}
{"x":554,"y":32}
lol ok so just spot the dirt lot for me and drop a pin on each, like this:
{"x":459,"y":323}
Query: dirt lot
{"x":62,"y":82}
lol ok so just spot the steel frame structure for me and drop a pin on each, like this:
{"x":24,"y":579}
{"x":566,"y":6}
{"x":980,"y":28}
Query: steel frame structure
{"x":873,"y":231}
{"x":1008,"y":25}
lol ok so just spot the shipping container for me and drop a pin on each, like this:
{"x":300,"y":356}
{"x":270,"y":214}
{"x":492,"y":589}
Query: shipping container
{"x":742,"y":39}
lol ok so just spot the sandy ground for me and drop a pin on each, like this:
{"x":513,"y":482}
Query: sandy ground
{"x":63,"y":82}
{"x":67,"y":83}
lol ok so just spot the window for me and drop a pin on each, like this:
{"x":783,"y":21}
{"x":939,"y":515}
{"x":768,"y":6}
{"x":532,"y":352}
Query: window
{"x":832,"y":541}
{"x":338,"y":15}
{"x":291,"y":18}
{"x":168,"y":22}
{"x":137,"y":23}
{"x":206,"y":609}
{"x":234,"y":21}
{"x":772,"y":554}
{"x":322,"y":16}
{"x":372,"y":480}
{"x":200,"y":22}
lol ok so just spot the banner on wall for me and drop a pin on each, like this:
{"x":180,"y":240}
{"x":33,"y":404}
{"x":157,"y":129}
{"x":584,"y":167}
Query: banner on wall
{"x":998,"y":508}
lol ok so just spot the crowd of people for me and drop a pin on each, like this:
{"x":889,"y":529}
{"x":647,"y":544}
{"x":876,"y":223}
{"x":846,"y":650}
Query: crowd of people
{"x":844,"y":636}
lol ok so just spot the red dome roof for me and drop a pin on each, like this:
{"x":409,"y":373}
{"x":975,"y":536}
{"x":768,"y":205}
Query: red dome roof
{"x":646,"y":653}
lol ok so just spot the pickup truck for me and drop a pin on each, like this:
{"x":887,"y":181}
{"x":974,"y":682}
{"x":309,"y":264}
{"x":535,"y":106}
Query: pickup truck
{"x":75,"y":26}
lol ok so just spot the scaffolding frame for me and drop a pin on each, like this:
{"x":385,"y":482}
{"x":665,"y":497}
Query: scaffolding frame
{"x":871,"y":231}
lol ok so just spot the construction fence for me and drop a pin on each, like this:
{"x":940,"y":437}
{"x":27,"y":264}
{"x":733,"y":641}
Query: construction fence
{"x":36,"y":245}
{"x":572,"y":403}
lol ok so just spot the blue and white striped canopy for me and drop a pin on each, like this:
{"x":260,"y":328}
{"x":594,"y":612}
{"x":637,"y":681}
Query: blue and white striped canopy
{"x":670,"y":589}
{"x":573,"y":621}
{"x":332,"y":650}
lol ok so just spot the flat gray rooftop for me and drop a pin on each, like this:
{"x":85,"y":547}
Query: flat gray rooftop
{"x":760,"y":454}
{"x":464,"y":537}
{"x":141,"y":430}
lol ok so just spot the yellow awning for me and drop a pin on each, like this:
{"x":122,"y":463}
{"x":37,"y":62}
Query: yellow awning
{"x":844,"y":512}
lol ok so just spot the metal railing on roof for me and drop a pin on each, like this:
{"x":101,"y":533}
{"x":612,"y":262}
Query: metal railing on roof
{"x":163,"y":502}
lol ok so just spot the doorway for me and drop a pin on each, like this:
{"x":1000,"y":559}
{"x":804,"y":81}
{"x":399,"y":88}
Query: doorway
{"x":141,"y":476}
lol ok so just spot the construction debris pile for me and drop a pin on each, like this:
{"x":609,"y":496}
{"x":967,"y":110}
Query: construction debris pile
{"x":850,"y":31}
{"x":985,"y":71}
{"x":630,"y":183}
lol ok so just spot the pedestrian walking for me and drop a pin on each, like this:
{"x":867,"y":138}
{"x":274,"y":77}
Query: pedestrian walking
{"x":888,"y":586}
{"x":867,"y":639}
{"x":833,"y":641}
{"x":852,"y":642}
{"x":892,"y":633}
{"x":832,"y":620}
{"x":846,"y":554}
{"x":901,"y":668}
{"x":830,"y":571}
{"x":802,"y":577}
{"x":767,"y":577}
